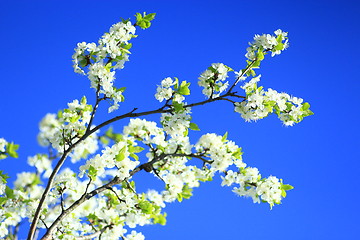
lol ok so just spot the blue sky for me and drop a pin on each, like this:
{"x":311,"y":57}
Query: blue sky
{"x":319,"y":156}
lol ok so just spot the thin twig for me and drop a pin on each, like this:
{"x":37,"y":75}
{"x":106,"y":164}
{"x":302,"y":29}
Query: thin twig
{"x":95,"y":234}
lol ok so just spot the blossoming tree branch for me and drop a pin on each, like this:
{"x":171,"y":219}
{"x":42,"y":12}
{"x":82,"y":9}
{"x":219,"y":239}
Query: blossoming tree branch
{"x":99,"y":199}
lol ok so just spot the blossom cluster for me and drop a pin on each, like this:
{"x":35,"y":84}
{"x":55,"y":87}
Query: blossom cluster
{"x":18,"y":203}
{"x":98,"y":61}
{"x":260,"y":103}
{"x":42,"y":163}
{"x":252,"y":185}
{"x":212,"y":80}
{"x":67,"y":127}
{"x":170,"y":89}
{"x":164,"y":91}
{"x":267,"y":42}
{"x":100,"y":199}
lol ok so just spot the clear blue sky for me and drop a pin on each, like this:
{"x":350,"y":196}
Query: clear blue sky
{"x":320,"y":156}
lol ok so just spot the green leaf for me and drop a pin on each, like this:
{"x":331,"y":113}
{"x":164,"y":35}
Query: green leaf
{"x":279,"y":46}
{"x":134,"y":156}
{"x":128,"y":46}
{"x":59,"y":114}
{"x":178,"y":107}
{"x":83,"y":100}
{"x":186,"y":192}
{"x":160,"y":219}
{"x":176,"y":85}
{"x":305,"y":106}
{"x":259,"y":55}
{"x":138,"y":17}
{"x":161,"y":148}
{"x":194,"y":127}
{"x":146,"y":207}
{"x":144,"y":21}
{"x":286,"y":187}
{"x":83,"y":62}
{"x":224,"y":138}
{"x":104,"y":140}
{"x":11,"y":148}
{"x":149,"y":16}
{"x":108,"y":66}
{"x":184,"y":88}
{"x":121,"y":155}
{"x":179,"y":197}
{"x":256,"y":64}
{"x":109,"y":132}
{"x":9,"y":192}
{"x":122,"y":89}
{"x":307,"y":113}
{"x":92,"y":172}
{"x":186,"y":132}
{"x":237,"y":154}
{"x":3,"y":176}
{"x":3,"y":200}
{"x":135,"y":149}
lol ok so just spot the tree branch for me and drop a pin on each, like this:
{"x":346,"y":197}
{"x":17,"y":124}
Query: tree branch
{"x":91,"y":131}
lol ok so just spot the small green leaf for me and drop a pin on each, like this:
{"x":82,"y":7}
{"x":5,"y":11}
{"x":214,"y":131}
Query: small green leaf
{"x":178,"y":107}
{"x":83,"y":100}
{"x":104,"y":140}
{"x":3,"y":200}
{"x":138,"y":17}
{"x":149,"y":16}
{"x":184,"y":88}
{"x":92,"y":172}
{"x":128,"y":46}
{"x":286,"y":187}
{"x":135,"y":149}
{"x":83,"y":63}
{"x":9,"y":192}
{"x":186,"y":192}
{"x":108,"y":66}
{"x":134,"y":156}
{"x":179,"y":197}
{"x":121,"y":155}
{"x":3,"y":176}
{"x":160,"y":219}
{"x":122,"y":89}
{"x":224,"y":138}
{"x":259,"y":55}
{"x":256,"y":64}
{"x":186,"y":132}
{"x":11,"y":150}
{"x":146,"y":207}
{"x":279,"y":46}
{"x":305,"y":106}
{"x":237,"y":154}
{"x":194,"y":127}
